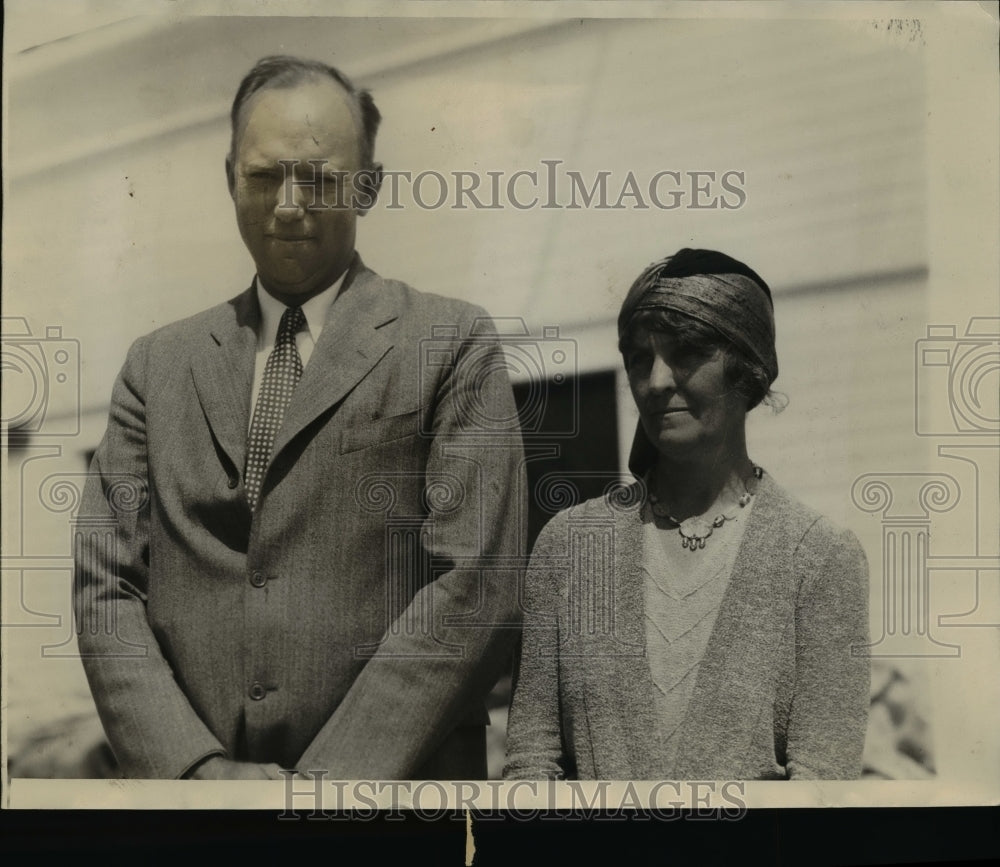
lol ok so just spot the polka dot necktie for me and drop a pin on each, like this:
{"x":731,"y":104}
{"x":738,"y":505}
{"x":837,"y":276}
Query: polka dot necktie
{"x":281,"y":374}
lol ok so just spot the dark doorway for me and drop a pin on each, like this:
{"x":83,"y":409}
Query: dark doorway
{"x":570,"y":440}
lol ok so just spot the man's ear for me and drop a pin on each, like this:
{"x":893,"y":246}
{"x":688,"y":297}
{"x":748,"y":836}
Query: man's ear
{"x":231,"y":177}
{"x":367,"y":184}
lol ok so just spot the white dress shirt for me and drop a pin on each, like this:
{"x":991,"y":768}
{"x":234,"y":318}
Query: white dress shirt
{"x":271,"y":310}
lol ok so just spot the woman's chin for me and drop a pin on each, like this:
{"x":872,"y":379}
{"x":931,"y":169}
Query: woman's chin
{"x":675,"y":444}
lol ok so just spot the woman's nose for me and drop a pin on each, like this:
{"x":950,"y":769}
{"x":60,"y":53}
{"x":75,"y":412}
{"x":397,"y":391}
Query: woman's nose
{"x":661,"y":375}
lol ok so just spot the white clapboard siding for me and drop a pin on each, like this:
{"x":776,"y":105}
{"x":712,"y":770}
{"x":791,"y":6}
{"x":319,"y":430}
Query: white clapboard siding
{"x":823,"y":118}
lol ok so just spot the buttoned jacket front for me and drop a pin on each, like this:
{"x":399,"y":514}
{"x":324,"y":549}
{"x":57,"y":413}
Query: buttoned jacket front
{"x":357,"y":619}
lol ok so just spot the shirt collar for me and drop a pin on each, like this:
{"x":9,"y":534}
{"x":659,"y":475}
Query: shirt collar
{"x":315,"y":309}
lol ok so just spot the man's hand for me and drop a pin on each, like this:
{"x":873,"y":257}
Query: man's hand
{"x":219,"y":768}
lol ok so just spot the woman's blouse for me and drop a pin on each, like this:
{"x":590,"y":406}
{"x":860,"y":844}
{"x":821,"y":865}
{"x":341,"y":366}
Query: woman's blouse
{"x":683,"y":590}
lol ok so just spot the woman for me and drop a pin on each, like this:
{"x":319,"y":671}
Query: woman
{"x":700,"y":623}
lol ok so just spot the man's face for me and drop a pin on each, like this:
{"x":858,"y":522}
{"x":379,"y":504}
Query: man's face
{"x":299,"y":246}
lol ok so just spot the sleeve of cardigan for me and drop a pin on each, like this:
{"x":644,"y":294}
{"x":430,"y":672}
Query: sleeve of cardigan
{"x":829,"y":713}
{"x":534,"y":727}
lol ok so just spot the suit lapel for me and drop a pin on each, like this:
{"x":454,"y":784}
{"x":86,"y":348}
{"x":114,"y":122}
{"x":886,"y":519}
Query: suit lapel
{"x":353,"y":341}
{"x":223,"y":373}
{"x":735,"y":679}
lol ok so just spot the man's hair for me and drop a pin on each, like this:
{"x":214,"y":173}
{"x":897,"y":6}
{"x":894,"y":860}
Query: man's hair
{"x":282,"y":70}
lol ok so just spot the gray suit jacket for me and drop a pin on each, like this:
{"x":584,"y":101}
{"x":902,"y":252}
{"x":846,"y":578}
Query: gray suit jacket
{"x":778,"y":695}
{"x":355,"y":622}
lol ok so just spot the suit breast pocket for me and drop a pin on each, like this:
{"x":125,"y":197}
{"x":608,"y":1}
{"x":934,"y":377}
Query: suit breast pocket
{"x":380,"y":430}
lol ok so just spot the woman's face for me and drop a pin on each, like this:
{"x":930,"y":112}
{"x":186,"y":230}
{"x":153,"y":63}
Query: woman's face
{"x":685,"y":400}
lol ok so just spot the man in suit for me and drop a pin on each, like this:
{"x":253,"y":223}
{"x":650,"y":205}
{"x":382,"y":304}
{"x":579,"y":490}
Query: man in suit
{"x":298,"y":545}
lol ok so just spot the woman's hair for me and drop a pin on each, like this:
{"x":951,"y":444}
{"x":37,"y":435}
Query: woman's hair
{"x":693,"y":335}
{"x":744,"y":373}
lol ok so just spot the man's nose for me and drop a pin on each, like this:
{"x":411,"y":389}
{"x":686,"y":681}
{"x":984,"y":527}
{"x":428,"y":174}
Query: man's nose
{"x":291,"y":204}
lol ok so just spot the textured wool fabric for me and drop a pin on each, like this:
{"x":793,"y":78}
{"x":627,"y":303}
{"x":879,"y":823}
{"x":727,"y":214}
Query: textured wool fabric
{"x":779,"y":693}
{"x":734,"y":305}
{"x":281,"y":374}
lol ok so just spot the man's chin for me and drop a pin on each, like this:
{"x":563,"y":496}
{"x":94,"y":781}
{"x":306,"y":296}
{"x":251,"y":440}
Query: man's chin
{"x":293,"y":291}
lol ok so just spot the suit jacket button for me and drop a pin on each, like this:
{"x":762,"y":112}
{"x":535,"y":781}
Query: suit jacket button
{"x":258,"y":579}
{"x":257,"y":691}
{"x":233,"y":482}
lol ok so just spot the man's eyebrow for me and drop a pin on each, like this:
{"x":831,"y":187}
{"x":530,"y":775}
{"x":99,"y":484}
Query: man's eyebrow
{"x":326,"y":167}
{"x":261,"y":166}
{"x":303,"y":167}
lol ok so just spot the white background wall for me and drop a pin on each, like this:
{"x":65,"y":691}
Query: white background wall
{"x":120,"y":220}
